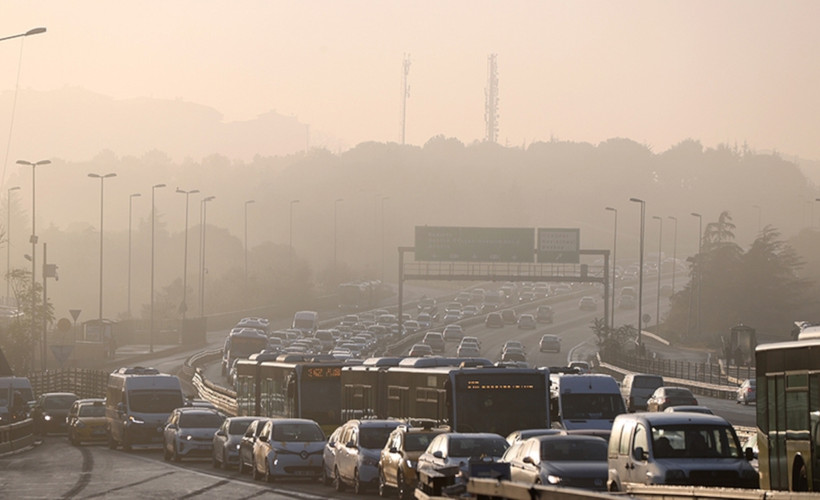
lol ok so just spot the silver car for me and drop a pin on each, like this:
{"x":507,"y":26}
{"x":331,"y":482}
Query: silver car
{"x":226,"y":441}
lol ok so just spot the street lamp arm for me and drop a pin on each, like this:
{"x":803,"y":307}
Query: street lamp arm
{"x":33,"y":31}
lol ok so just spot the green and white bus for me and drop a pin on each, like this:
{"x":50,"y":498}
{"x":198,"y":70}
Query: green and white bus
{"x":788,"y":413}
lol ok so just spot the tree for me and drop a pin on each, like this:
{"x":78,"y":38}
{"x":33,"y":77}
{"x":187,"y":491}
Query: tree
{"x":19,"y":339}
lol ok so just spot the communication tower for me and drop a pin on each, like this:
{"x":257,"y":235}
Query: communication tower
{"x":491,"y":99}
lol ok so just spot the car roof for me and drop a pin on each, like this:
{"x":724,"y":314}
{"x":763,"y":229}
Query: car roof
{"x":675,"y":418}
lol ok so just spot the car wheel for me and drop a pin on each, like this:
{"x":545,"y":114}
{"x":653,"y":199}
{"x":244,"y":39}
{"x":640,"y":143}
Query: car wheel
{"x":176,"y":456}
{"x":382,"y":485}
{"x":358,"y":487}
{"x":338,"y":484}
{"x":404,"y":493}
{"x":325,"y":477}
{"x":255,"y":473}
{"x":268,"y":476}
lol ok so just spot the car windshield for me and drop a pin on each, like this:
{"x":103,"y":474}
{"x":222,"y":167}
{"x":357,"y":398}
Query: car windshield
{"x":238,"y":426}
{"x":59,"y":402}
{"x":150,"y":401}
{"x":477,"y":447}
{"x":417,"y":441}
{"x":197,"y":420}
{"x":92,"y":411}
{"x":303,"y":432}
{"x":591,"y":406}
{"x":695,"y":441}
{"x":569,"y":450}
{"x":374,"y":437}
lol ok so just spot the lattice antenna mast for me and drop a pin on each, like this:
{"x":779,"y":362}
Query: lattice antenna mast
{"x":491,"y":99}
{"x":405,"y":93}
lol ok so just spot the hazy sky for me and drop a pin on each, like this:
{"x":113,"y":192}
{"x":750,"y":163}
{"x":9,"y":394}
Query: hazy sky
{"x":654,"y":71}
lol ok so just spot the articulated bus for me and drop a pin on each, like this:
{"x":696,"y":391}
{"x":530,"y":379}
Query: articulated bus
{"x":788,"y":413}
{"x":468,"y":399}
{"x":290,"y":388}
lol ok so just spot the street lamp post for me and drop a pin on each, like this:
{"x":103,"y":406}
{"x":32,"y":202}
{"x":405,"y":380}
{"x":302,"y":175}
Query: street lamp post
{"x":614,"y":246}
{"x":33,"y":239}
{"x":102,"y":178}
{"x":660,"y":263}
{"x":640,"y":270}
{"x":335,"y":236}
{"x":8,"y":239}
{"x":248,"y":202}
{"x":698,"y":264}
{"x":153,"y":220}
{"x":383,"y":200}
{"x":33,"y":31}
{"x":674,"y":252}
{"x":183,"y":307}
{"x":204,"y":214}
{"x":290,"y":235}
{"x":130,"y":209}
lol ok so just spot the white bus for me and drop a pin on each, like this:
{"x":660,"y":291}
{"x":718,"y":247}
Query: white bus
{"x":588,"y":401}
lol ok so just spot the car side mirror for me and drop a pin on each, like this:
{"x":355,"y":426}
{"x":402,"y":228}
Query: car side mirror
{"x":750,"y":454}
{"x":529,"y":460}
{"x":438,"y":454}
{"x":263,"y":438}
{"x":351,"y":444}
{"x":172,"y":426}
{"x":220,"y":433}
{"x":640,"y":454}
{"x":393,"y":449}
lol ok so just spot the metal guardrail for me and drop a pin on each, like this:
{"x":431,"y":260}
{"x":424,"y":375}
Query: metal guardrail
{"x":485,"y":488}
{"x":16,"y":436}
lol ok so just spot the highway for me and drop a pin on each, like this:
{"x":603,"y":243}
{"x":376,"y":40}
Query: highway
{"x":56,"y":469}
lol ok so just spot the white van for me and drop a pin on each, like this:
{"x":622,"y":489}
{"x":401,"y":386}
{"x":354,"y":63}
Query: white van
{"x":9,"y":386}
{"x":688,"y":449}
{"x":306,"y":322}
{"x":636,"y":388}
{"x":588,"y":401}
{"x":137,"y":404}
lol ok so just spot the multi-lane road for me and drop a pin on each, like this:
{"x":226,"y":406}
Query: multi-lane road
{"x":56,"y":469}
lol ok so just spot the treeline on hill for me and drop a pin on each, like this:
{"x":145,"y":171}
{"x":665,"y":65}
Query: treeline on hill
{"x":388,"y":189}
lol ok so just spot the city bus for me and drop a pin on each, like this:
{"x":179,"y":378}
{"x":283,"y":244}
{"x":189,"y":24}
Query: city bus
{"x":293,"y":386}
{"x":468,"y":399}
{"x":788,"y":413}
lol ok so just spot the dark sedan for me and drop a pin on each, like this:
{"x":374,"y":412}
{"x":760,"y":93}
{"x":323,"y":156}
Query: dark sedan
{"x":664,"y":397}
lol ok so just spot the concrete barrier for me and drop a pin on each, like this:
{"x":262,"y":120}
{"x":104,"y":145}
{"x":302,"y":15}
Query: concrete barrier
{"x":16,"y":436}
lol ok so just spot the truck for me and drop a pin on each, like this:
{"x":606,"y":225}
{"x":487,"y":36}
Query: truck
{"x":306,"y":322}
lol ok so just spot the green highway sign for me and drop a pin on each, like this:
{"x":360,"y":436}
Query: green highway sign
{"x":559,"y":245}
{"x":474,"y":244}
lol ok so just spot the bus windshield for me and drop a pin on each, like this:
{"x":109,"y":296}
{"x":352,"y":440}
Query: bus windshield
{"x":501,"y":402}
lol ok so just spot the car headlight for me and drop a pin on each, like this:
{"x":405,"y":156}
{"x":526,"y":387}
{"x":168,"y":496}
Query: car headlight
{"x":411,"y":464}
{"x":187,"y":437}
{"x":237,"y":446}
{"x":47,"y":417}
{"x":553,"y":479}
